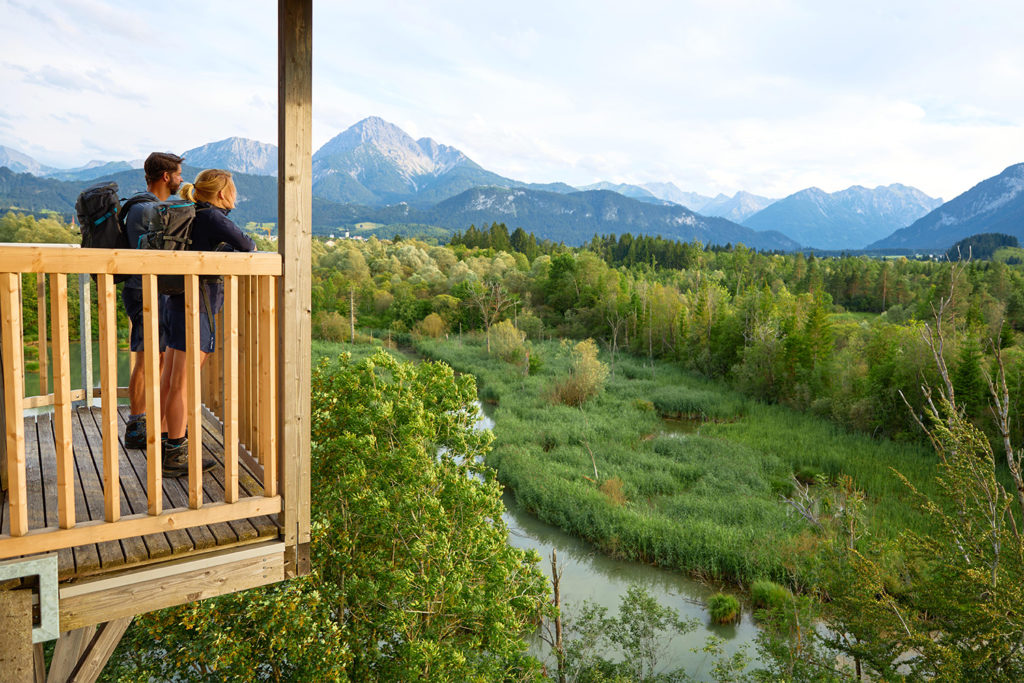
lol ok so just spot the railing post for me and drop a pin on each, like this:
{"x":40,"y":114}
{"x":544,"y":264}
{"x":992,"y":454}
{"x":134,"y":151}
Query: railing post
{"x":3,"y":420}
{"x":14,"y":392}
{"x":44,"y":380}
{"x":107,"y":300}
{"x":151,"y":357}
{"x":85,"y":335}
{"x":62,"y":400}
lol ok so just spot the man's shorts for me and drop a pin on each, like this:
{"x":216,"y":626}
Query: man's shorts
{"x":131,"y":297}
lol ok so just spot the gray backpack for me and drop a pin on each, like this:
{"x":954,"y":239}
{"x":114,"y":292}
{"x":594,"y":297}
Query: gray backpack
{"x":168,"y":225}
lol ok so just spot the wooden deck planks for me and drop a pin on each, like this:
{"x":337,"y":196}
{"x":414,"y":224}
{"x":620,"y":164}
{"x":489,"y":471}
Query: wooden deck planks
{"x":247,"y":484}
{"x":134,"y":487}
{"x":83,"y":556}
{"x":86,"y":455}
{"x":41,"y":470}
{"x":134,"y":549}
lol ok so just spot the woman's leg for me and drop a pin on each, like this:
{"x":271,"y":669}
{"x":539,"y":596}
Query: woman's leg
{"x":174,"y":391}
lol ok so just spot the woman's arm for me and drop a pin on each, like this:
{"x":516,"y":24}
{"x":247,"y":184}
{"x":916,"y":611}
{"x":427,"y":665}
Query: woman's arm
{"x":225,"y":230}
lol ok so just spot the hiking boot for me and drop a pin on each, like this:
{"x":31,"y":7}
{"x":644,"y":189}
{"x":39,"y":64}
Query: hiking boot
{"x":175,"y":460}
{"x":135,"y":433}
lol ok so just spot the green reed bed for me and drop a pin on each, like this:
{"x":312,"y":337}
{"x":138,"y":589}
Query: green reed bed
{"x":707,"y":503}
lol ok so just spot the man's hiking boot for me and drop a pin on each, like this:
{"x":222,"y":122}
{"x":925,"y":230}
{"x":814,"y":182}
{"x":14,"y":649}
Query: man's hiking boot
{"x":175,"y":460}
{"x":135,"y":433}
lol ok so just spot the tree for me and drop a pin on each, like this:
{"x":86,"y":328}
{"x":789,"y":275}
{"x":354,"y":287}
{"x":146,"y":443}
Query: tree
{"x":413,"y":577}
{"x":419,"y":562}
{"x":492,"y":299}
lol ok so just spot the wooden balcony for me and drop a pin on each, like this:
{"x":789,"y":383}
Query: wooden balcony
{"x":125,"y":539}
{"x":70,"y":485}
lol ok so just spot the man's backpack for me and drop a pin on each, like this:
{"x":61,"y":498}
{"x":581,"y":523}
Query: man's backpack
{"x":98,"y":209}
{"x":168,"y":225}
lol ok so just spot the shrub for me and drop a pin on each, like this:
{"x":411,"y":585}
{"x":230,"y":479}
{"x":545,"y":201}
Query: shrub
{"x":330,"y":326}
{"x":769,"y":595}
{"x":531,"y":325}
{"x":612,"y":489}
{"x":431,"y":326}
{"x":724,"y":609}
{"x":643,"y":405}
{"x":586,"y":377}
{"x":382,"y":301}
{"x":508,"y":342}
{"x":535,"y":362}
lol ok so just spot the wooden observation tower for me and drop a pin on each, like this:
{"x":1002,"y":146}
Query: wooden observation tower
{"x":91,"y":534}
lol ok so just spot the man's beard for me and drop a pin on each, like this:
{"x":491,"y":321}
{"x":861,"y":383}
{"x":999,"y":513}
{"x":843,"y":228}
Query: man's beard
{"x":174,"y":188}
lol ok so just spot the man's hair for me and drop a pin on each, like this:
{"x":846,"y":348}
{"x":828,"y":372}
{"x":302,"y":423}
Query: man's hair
{"x":159,"y":163}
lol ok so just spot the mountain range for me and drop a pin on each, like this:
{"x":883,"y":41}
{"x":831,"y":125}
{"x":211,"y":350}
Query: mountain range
{"x":235,"y":154}
{"x":848,"y":219}
{"x":993,"y":205}
{"x":375,"y":172}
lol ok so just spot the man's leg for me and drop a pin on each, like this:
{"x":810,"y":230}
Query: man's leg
{"x":135,"y":432}
{"x":137,"y":385}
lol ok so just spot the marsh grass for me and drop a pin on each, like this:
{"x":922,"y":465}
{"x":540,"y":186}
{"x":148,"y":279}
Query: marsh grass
{"x":710,"y":503}
{"x":724,"y":609}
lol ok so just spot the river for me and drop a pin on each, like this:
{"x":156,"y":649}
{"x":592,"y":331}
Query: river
{"x":590,"y":575}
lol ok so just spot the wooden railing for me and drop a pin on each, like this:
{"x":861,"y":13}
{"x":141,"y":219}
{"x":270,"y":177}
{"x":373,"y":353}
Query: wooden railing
{"x":238,"y":384}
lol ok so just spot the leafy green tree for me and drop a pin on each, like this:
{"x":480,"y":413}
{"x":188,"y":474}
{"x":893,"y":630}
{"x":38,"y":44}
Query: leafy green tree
{"x":283,"y":632}
{"x":419,"y":563}
{"x":413,"y":577}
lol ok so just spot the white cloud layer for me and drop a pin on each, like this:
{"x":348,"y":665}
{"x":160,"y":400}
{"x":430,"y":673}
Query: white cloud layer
{"x":716,"y":96}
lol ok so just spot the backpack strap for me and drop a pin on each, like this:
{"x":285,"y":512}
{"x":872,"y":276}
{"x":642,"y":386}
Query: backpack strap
{"x":122,"y":214}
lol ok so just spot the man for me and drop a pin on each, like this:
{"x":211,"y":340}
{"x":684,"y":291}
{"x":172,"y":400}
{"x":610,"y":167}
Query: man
{"x":163,"y":178}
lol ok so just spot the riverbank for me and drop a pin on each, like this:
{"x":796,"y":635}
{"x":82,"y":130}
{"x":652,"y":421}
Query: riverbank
{"x":709,"y":503}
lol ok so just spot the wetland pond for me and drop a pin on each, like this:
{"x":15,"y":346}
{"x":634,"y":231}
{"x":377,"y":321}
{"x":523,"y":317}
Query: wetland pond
{"x":589,"y":575}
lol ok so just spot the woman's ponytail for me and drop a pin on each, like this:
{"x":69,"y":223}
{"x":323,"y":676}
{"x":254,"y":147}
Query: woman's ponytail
{"x":206,"y":186}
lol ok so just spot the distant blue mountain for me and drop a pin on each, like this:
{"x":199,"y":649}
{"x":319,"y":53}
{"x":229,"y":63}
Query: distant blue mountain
{"x":993,"y":205}
{"x":850,"y":219}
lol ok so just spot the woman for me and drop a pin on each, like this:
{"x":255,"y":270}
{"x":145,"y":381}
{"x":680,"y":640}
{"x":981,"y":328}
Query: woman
{"x":214,"y":194}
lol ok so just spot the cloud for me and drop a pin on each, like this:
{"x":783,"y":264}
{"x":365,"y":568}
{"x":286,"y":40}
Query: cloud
{"x":97,"y":80}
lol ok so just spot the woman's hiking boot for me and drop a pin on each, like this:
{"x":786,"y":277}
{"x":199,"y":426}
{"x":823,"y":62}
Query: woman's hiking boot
{"x":175,"y":459}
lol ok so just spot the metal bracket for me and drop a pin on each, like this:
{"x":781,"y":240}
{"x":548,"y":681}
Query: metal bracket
{"x":45,"y":567}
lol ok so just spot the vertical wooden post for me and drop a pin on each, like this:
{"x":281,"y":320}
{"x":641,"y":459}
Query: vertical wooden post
{"x":106,"y":298}
{"x":44,"y":362}
{"x":14,"y":396}
{"x":245,"y":358}
{"x":3,"y":420}
{"x":192,"y":399}
{"x":231,"y":433}
{"x":294,"y":230}
{"x":253,"y":369}
{"x":268,"y":404}
{"x":151,"y":358}
{"x":62,"y":400}
{"x":85,"y":335}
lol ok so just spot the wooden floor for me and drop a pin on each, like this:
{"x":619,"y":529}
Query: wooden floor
{"x":41,"y":472}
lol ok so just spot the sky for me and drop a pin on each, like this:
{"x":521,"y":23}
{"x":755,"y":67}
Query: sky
{"x":716,"y":96}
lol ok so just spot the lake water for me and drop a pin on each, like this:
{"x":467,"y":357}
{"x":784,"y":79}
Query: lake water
{"x":589,"y":575}
{"x":123,"y":370}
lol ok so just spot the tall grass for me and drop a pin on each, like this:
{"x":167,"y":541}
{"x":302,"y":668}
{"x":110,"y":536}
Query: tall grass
{"x":707,"y":503}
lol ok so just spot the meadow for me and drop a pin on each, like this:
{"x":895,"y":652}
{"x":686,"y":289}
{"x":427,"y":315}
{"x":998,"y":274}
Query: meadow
{"x":711,"y":503}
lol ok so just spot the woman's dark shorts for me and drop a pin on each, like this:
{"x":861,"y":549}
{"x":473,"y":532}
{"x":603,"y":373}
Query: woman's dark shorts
{"x":174,"y":315}
{"x":131,"y":297}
